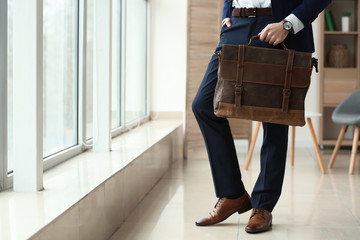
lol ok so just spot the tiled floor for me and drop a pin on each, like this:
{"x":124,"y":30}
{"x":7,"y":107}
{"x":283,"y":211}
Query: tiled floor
{"x":312,"y":205}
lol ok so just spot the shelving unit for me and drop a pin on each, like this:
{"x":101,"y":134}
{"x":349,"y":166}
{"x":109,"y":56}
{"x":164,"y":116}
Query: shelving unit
{"x":337,"y":83}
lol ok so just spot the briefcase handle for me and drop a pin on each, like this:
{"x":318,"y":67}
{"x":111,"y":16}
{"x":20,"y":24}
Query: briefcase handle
{"x":258,"y":36}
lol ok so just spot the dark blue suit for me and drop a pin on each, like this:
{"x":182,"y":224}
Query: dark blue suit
{"x":216,"y":131}
{"x":305,"y":10}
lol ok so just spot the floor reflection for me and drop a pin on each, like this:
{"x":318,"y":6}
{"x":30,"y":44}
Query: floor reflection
{"x":312,"y":205}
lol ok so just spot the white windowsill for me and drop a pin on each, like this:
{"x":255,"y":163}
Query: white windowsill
{"x":24,"y":214}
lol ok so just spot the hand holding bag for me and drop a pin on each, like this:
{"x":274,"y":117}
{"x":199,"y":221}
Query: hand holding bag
{"x":263,"y":84}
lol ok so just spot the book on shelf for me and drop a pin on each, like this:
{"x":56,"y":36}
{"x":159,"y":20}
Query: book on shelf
{"x":329,"y":20}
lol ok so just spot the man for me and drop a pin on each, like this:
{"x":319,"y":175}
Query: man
{"x":276,"y":21}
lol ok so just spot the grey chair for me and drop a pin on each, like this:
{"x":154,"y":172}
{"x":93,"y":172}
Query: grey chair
{"x":347,"y":113}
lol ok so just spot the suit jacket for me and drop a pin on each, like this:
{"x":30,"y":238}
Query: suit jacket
{"x":305,"y":10}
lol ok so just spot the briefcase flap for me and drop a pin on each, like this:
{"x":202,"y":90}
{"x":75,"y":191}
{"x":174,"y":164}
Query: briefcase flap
{"x":266,"y":66}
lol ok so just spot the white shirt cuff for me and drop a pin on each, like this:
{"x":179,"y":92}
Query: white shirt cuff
{"x":297,"y":24}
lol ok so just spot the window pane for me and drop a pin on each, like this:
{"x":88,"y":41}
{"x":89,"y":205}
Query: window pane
{"x":10,"y":83}
{"x":135,"y":62}
{"x":60,"y":75}
{"x":116,"y":41}
{"x":89,"y":67}
{"x":115,"y":85}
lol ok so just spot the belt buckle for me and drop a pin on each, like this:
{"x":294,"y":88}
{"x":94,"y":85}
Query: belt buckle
{"x":254,"y":13}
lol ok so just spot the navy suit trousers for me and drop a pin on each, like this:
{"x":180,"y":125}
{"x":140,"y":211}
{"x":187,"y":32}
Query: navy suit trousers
{"x":217,"y":133}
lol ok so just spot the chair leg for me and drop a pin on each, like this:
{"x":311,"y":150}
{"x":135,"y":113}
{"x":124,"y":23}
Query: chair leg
{"x":292,"y":144}
{"x":252,"y":145}
{"x":337,"y":146}
{"x":316,"y":145}
{"x":354,"y":149}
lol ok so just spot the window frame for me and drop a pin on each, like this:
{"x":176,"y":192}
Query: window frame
{"x":64,"y":154}
{"x":124,"y":127}
{"x":118,"y":7}
{"x":138,"y":120}
{"x":83,"y":144}
{"x":5,"y":179}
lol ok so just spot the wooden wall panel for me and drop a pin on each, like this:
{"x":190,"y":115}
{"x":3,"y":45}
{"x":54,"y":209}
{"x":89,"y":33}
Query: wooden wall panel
{"x":204,"y":22}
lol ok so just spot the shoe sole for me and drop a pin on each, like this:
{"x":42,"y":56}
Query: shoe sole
{"x":245,"y":209}
{"x":258,"y":231}
{"x":240,"y":211}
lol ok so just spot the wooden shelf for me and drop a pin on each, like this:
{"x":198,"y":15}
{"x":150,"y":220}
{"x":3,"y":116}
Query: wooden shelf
{"x":340,"y":33}
{"x":337,"y":83}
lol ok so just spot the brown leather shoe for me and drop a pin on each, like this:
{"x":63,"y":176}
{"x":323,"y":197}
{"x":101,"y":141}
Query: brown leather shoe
{"x":260,"y":221}
{"x":224,"y":208}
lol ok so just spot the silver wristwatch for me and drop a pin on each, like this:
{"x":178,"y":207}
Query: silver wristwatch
{"x":287,"y":26}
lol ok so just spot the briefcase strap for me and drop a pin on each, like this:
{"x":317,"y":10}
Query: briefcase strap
{"x":239,"y":75}
{"x":287,"y":84}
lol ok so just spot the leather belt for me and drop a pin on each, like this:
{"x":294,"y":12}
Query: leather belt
{"x":251,"y":12}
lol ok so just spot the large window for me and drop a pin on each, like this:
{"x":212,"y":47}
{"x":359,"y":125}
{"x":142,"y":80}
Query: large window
{"x":60,"y":75}
{"x":9,"y":84}
{"x":135,"y":59}
{"x":129,"y":62}
{"x":89,"y":67}
{"x":66,"y":96}
{"x":5,"y":133}
{"x":60,"y":59}
{"x":116,"y":66}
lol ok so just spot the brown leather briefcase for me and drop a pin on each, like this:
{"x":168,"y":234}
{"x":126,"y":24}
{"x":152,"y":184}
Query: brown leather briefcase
{"x":263,"y":84}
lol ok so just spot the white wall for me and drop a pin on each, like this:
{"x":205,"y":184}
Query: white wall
{"x":312,"y":98}
{"x":168,"y":55}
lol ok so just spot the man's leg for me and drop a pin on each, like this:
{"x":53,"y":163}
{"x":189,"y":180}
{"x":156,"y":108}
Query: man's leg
{"x":267,"y":189}
{"x":217,"y":136}
{"x":221,"y":152}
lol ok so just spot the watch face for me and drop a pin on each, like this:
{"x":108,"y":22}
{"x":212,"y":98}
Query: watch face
{"x":287,"y":26}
